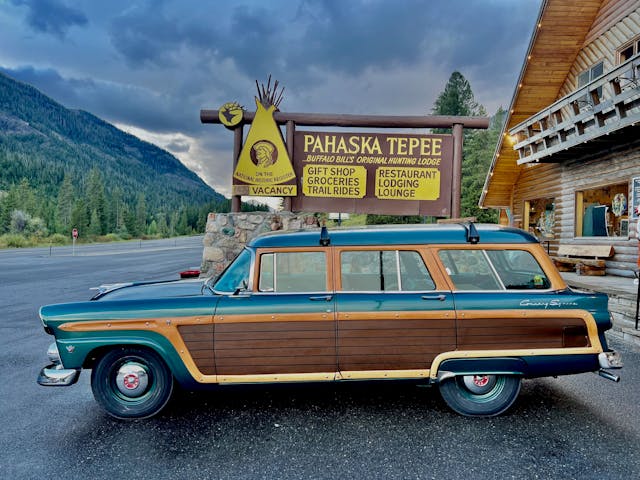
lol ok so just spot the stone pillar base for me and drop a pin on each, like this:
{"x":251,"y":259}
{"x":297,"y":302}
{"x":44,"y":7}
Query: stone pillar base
{"x":227,"y":234}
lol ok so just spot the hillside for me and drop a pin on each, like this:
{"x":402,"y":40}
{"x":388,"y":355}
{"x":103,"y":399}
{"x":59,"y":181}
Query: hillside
{"x":41,"y":140}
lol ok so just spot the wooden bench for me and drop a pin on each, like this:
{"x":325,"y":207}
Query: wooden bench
{"x":583,"y":259}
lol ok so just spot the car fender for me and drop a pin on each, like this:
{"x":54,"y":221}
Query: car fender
{"x":79,"y":352}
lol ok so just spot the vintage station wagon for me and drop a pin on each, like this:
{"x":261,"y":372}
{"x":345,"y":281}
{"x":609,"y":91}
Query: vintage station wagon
{"x":471,"y":310}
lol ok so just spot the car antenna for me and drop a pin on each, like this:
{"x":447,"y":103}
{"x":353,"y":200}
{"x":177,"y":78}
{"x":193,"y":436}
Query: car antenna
{"x":324,"y":235}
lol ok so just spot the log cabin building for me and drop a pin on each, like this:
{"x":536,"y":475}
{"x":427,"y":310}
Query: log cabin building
{"x":567,"y":166}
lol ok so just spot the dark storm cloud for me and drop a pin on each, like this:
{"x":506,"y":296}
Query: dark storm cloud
{"x":112,"y":102}
{"x":295,"y":41}
{"x":148,"y":35}
{"x":351,"y":37}
{"x":52,"y":16}
{"x":145,"y":35}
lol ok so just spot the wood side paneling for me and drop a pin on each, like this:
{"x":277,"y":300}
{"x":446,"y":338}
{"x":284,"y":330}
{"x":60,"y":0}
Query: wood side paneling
{"x":272,"y":348}
{"x":199,"y":342}
{"x":510,"y":333}
{"x":392,"y":344}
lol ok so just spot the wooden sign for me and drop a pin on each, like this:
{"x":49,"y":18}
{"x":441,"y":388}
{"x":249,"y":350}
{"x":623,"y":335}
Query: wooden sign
{"x":373,"y":173}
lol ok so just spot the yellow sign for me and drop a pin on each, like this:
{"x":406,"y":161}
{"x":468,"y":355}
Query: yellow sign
{"x":230,"y":114}
{"x":264,"y":159}
{"x":273,"y":190}
{"x":402,"y":183}
{"x":334,"y":181}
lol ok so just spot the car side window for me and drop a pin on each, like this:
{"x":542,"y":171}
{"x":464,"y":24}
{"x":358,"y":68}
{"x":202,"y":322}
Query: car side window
{"x":494,"y":270}
{"x":293,"y":272}
{"x":383,"y":270}
{"x":413,"y":272}
{"x":470,"y":270}
{"x":236,"y":276}
{"x":518,"y":269}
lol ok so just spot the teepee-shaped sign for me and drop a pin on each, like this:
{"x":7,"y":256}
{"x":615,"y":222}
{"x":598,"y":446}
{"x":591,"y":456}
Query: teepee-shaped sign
{"x":264,"y":159}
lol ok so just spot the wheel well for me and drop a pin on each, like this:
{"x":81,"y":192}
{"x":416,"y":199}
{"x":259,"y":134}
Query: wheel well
{"x":97,"y":353}
{"x":470,"y":366}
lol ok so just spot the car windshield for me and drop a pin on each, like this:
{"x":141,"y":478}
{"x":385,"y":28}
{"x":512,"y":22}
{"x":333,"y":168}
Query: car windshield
{"x":236,"y":275}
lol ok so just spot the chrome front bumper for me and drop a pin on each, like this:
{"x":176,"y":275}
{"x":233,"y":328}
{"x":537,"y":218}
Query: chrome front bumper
{"x":58,"y":376}
{"x":55,"y":375}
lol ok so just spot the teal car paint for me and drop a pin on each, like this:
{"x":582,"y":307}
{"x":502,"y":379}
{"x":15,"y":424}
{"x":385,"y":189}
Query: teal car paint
{"x":471,"y":309}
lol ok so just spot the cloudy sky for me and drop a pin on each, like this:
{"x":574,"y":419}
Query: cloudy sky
{"x":150,"y":66}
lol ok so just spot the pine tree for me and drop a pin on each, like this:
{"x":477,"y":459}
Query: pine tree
{"x":478,"y":152}
{"x":26,"y":197}
{"x":8,"y":203}
{"x":66,"y":197}
{"x":457,"y":99}
{"x":116,"y":218}
{"x":80,"y":216}
{"x":94,"y":224}
{"x":163,"y":228}
{"x":96,"y":198}
{"x":141,"y":214}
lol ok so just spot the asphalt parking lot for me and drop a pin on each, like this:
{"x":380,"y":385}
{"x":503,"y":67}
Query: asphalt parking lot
{"x":571,"y":427}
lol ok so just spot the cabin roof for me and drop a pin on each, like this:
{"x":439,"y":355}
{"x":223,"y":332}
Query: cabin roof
{"x":558,"y":36}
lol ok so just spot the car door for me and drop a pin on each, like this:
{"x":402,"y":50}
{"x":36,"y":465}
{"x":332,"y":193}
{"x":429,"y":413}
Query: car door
{"x":391,"y":314}
{"x":284,"y":323}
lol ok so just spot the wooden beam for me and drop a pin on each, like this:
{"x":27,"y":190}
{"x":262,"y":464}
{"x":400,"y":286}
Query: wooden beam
{"x":373,"y":121}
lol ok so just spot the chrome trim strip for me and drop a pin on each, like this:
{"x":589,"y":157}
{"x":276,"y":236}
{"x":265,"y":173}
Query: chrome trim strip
{"x":53,"y":354}
{"x":493,"y":269}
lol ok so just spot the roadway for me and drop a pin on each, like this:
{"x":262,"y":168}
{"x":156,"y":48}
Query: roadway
{"x":578,"y":427}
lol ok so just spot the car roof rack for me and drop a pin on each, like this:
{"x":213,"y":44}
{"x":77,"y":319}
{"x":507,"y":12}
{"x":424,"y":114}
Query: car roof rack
{"x":473,"y":236}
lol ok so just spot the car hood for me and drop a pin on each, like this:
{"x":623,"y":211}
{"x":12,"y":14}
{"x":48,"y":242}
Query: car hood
{"x":142,"y":290}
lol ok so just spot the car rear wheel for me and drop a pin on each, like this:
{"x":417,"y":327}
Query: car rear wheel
{"x":480,"y":395}
{"x":131,"y":383}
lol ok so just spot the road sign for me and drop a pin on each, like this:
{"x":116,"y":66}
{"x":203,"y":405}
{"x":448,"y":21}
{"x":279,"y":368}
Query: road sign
{"x":74,"y":232}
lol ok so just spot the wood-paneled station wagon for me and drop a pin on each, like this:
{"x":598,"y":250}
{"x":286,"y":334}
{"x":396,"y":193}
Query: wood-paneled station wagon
{"x":471,"y":310}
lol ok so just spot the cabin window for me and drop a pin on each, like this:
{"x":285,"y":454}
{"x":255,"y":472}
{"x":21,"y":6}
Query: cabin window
{"x":629,"y":50}
{"x":629,"y":78}
{"x":483,"y":270}
{"x":540,"y":217}
{"x":384,"y":270}
{"x":602,"y":211}
{"x":293,"y":272}
{"x":587,"y":76}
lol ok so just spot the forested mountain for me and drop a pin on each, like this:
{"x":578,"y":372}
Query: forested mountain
{"x":42,"y":143}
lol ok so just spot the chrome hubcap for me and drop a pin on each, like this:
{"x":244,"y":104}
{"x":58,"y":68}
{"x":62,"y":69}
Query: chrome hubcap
{"x":132,"y":379}
{"x":479,"y":384}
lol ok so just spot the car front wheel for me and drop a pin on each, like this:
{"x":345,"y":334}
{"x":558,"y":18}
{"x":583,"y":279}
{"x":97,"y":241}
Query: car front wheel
{"x":480,"y":395}
{"x":131,"y":383}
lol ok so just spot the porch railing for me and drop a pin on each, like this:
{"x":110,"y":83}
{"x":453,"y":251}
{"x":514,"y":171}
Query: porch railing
{"x":606,"y":104}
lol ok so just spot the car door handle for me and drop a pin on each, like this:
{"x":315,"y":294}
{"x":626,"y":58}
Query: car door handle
{"x":322,"y":298}
{"x":440,"y":297}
